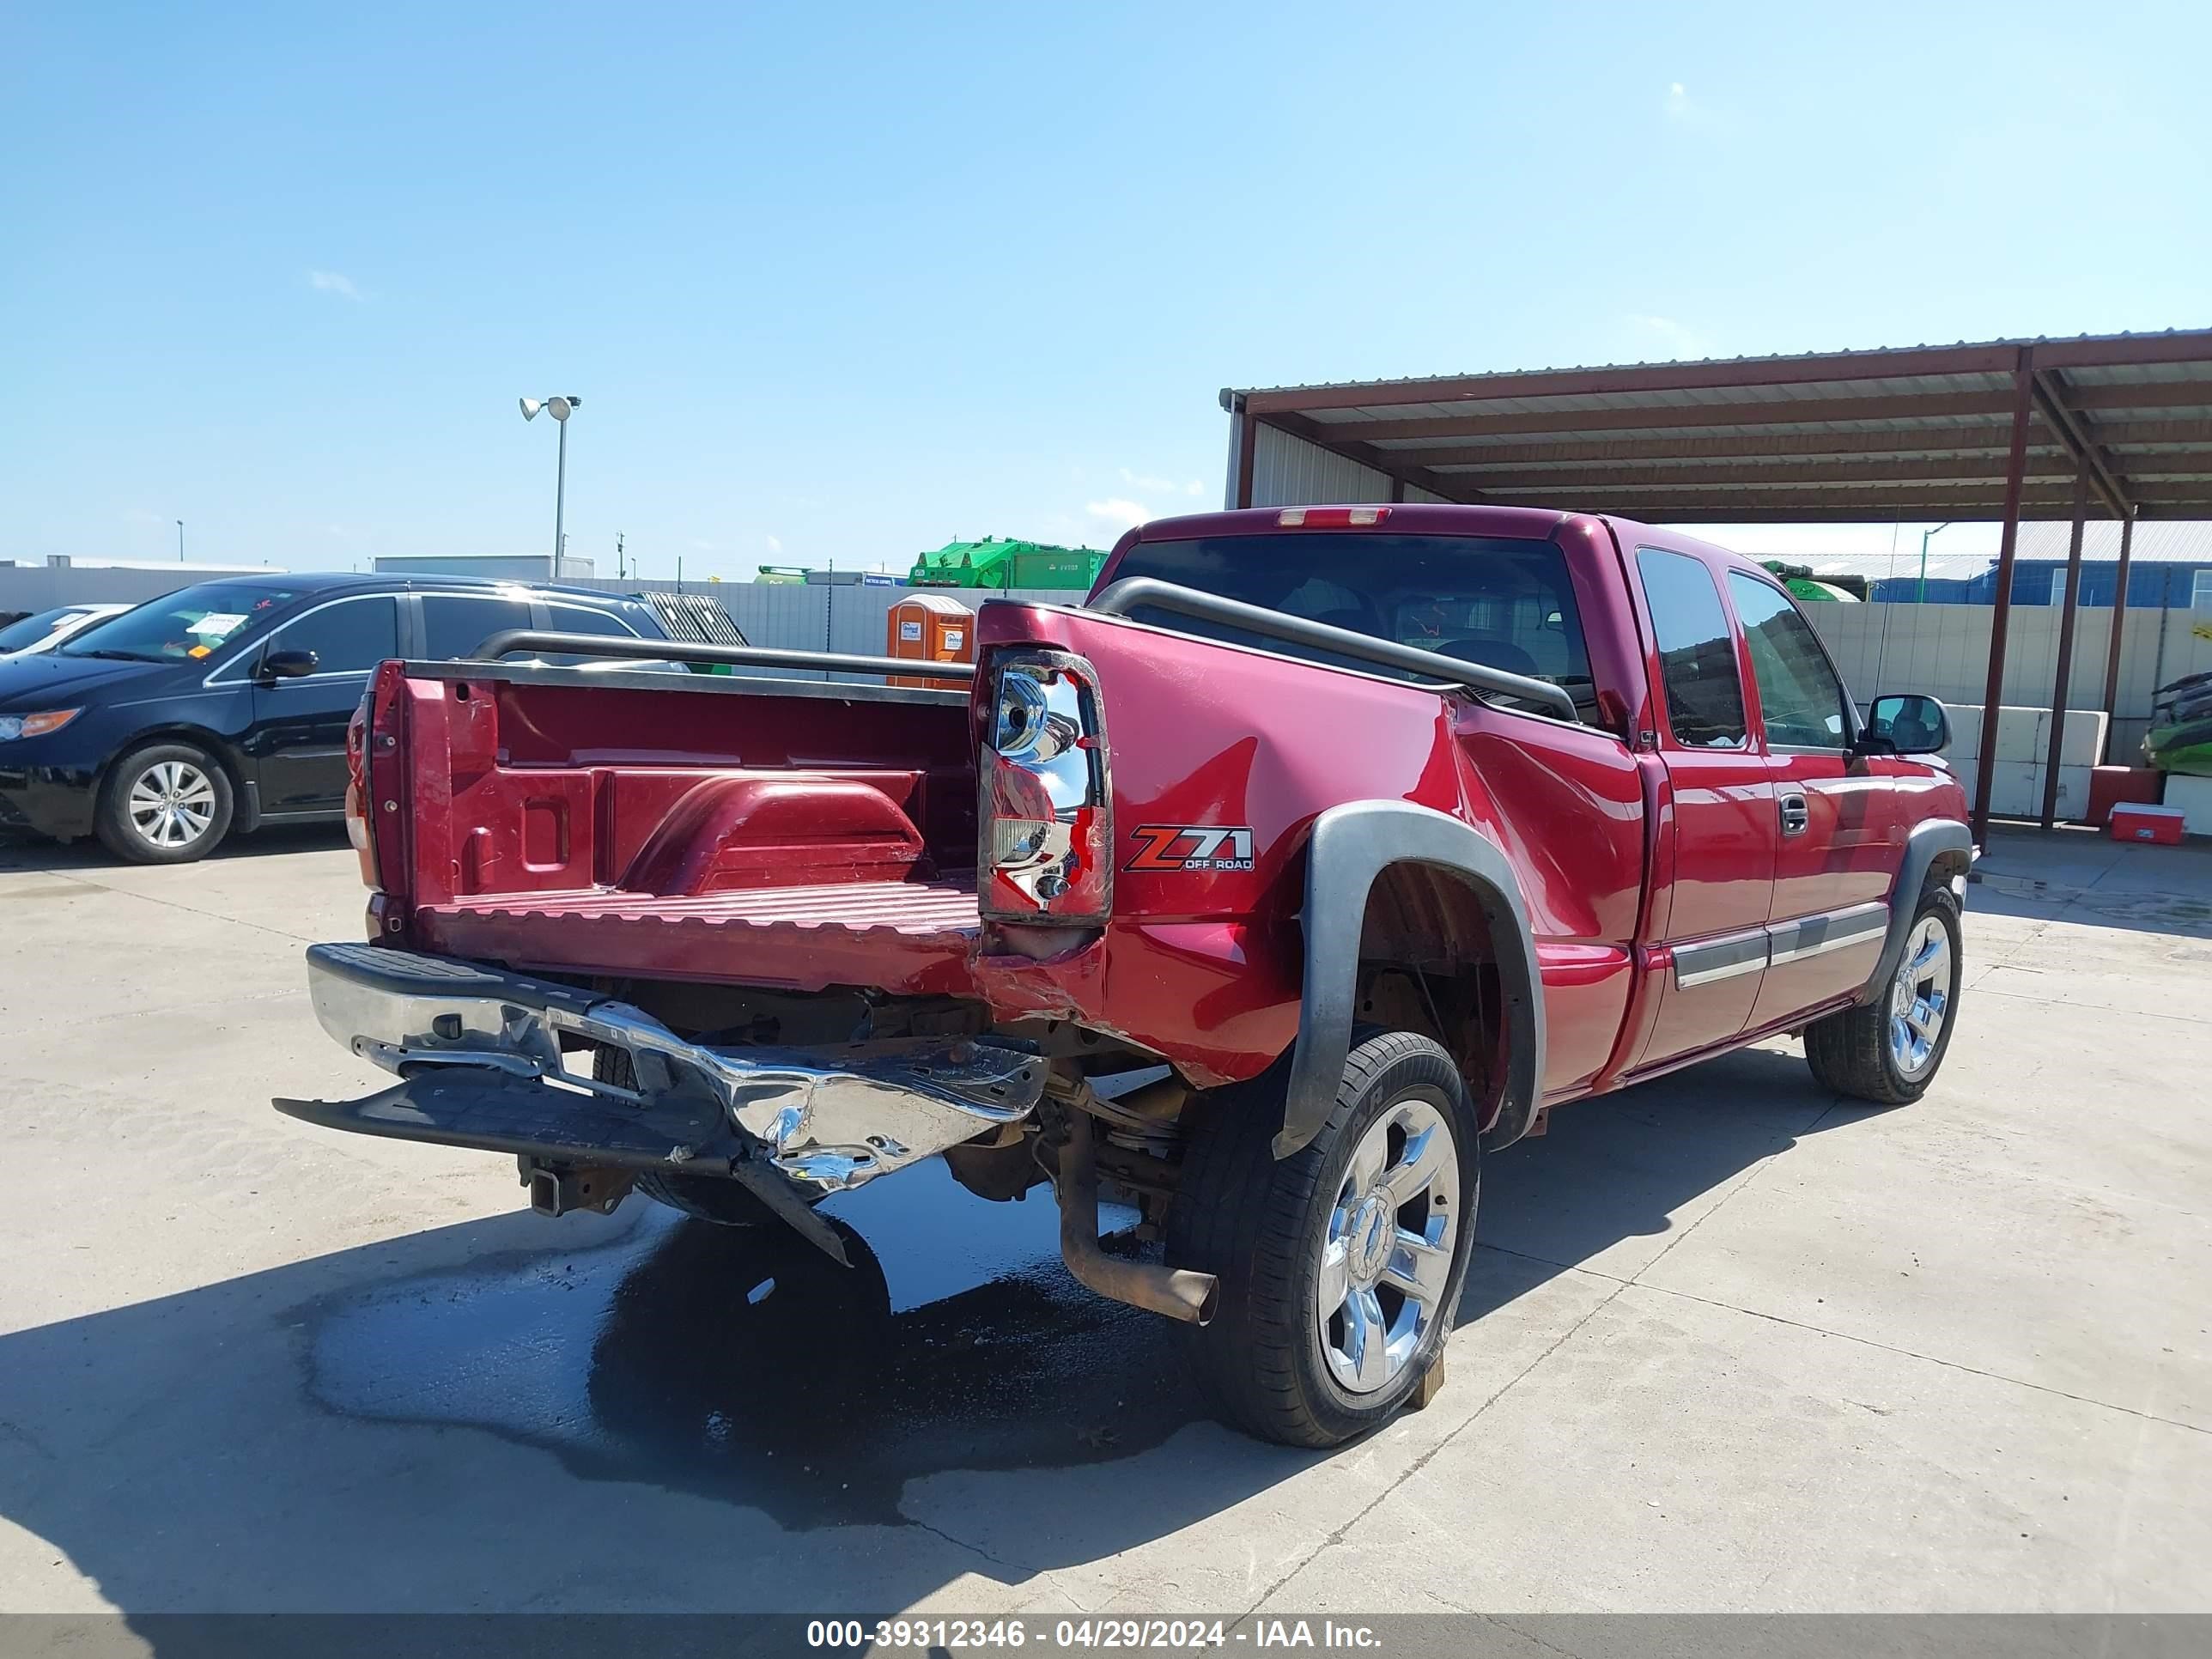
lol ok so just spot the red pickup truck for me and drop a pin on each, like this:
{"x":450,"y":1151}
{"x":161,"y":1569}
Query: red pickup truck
{"x":1322,"y":850}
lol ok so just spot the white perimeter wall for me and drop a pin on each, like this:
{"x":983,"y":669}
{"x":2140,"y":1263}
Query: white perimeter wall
{"x":787,"y":616}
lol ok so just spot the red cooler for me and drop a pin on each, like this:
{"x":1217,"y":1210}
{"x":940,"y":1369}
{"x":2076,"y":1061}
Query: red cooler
{"x":2135,"y":820}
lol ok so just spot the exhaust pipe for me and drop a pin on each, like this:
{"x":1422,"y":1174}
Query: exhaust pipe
{"x":1173,"y":1291}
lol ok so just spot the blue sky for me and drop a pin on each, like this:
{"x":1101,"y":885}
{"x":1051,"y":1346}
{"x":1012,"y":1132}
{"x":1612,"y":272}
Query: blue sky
{"x":843,"y":283}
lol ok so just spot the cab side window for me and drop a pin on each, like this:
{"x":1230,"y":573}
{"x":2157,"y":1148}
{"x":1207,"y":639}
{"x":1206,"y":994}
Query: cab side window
{"x":1697,"y":652}
{"x":1799,"y":694}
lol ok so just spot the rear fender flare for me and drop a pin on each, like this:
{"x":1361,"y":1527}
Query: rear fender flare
{"x":1930,"y":840}
{"x":1351,"y":845}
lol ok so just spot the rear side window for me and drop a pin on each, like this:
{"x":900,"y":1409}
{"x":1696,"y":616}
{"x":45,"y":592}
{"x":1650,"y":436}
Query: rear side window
{"x":1505,"y":602}
{"x":349,"y":637}
{"x":1800,"y":698}
{"x":582,"y":619}
{"x":455,"y":624}
{"x":1697,"y":654}
{"x":585,"y":619}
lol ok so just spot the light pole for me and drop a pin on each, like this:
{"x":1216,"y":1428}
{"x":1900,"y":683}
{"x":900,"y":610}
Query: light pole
{"x":559,"y":409}
{"x":1921,"y":598}
{"x":180,"y":541}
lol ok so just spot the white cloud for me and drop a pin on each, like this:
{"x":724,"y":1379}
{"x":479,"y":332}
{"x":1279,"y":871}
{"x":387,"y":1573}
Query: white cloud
{"x":1685,"y":111}
{"x":702,"y":546}
{"x":1676,"y":339}
{"x":1196,"y":487}
{"x":1145,"y":481}
{"x":329,"y":281}
{"x":775,"y":545}
{"x":1118,"y":512}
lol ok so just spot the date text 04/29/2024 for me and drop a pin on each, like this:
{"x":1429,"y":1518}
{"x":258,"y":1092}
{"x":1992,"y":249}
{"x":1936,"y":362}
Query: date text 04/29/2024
{"x":1123,"y":1635}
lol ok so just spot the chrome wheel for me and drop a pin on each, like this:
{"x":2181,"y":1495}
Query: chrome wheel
{"x":171,"y":803}
{"x":1921,"y":998}
{"x":1386,"y":1255}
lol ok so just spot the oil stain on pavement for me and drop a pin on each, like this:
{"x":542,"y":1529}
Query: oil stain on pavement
{"x":743,"y":1364}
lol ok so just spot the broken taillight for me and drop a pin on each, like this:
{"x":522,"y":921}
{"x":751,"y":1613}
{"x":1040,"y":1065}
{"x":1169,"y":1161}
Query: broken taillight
{"x":1047,"y":836}
{"x":359,"y":830}
{"x":374,"y":788}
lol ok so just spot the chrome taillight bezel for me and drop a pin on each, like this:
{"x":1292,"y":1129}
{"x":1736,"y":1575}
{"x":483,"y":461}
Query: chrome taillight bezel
{"x":1045,"y":718}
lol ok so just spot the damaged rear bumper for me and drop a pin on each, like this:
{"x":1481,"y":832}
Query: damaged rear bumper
{"x":480,"y":1051}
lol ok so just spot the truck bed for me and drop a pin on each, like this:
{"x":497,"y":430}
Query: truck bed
{"x":905,"y":936}
{"x":742,"y":830}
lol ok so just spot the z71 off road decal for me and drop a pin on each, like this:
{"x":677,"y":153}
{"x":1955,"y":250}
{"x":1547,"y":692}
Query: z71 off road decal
{"x":1162,"y":847}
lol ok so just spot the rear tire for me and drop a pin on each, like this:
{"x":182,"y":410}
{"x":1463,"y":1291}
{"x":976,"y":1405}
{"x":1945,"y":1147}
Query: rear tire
{"x":168,"y":803}
{"x":1375,"y":1218}
{"x":1889,"y":1051}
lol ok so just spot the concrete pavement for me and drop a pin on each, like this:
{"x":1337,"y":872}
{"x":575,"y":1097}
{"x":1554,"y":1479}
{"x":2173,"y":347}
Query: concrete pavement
{"x":1728,"y":1343}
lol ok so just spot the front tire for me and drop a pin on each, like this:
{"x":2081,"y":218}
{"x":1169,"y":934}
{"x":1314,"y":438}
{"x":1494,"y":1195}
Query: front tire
{"x":169,"y":803}
{"x":725,"y":1202}
{"x":1341,"y":1266}
{"x":1889,"y":1051}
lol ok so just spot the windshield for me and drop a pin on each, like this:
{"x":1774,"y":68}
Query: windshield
{"x":29,"y":630}
{"x":1504,"y":602}
{"x":193,"y":623}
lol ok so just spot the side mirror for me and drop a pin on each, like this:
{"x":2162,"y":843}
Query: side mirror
{"x":288,"y":664}
{"x":1906,"y":724}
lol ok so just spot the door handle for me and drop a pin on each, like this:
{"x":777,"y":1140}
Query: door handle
{"x":1796,"y":816}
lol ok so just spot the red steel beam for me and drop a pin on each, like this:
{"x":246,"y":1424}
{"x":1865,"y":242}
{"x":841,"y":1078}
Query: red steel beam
{"x":2066,"y":622}
{"x":1988,"y":441}
{"x":2055,"y":396}
{"x":2166,"y":463}
{"x":2117,"y":436}
{"x":1781,"y":475}
{"x":1991,"y":358}
{"x":1799,"y":412}
{"x":1858,"y":506}
{"x":2143,"y":394}
{"x":1911,"y":360}
{"x":2120,"y":435}
{"x":2120,"y":625}
{"x":1985,"y":768}
{"x":2115,"y":350}
{"x":1915,"y":510}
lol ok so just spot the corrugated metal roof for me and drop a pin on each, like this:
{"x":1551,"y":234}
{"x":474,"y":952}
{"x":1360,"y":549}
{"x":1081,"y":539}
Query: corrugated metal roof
{"x":1869,"y":355}
{"x":1913,"y":433}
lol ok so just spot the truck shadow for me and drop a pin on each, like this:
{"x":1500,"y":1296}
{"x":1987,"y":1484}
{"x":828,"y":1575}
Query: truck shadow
{"x":295,"y":1439}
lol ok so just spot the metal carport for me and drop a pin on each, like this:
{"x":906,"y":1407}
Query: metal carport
{"x":2120,"y":425}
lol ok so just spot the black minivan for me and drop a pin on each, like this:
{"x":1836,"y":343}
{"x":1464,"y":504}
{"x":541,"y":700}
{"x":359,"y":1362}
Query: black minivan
{"x":223,"y":706}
